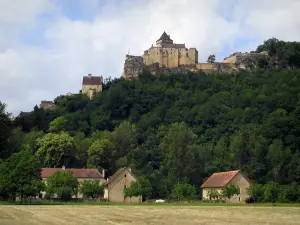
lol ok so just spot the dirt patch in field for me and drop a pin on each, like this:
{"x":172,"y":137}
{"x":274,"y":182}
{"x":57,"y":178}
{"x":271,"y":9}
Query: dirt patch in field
{"x":166,"y":215}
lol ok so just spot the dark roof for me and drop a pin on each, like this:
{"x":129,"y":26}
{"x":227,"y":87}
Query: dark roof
{"x":91,"y":80}
{"x":164,"y":36}
{"x":116,"y":174}
{"x":79,"y":173}
{"x":220,"y":179}
{"x":179,"y":45}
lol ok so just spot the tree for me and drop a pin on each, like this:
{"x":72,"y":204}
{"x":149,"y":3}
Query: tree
{"x":141,"y":187}
{"x":62,"y":184}
{"x":5,"y":131}
{"x":91,"y":189}
{"x":30,"y":140}
{"x":100,"y":154}
{"x":184,"y":192}
{"x":125,"y":138}
{"x":177,"y":145}
{"x":58,"y":125}
{"x":213,"y":194}
{"x":277,"y":157}
{"x":56,"y":150}
{"x":230,"y":190}
{"x":211,"y":59}
{"x":20,"y":176}
{"x":271,"y":192}
{"x":256,"y":192}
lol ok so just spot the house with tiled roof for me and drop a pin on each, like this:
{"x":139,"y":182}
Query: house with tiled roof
{"x":218,"y":181}
{"x":115,"y":185}
{"x":91,"y":85}
{"x":80,"y":174}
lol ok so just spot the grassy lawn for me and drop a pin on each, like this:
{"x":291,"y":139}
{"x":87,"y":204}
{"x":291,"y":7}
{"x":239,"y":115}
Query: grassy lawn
{"x":147,"y":214}
{"x":154,"y":204}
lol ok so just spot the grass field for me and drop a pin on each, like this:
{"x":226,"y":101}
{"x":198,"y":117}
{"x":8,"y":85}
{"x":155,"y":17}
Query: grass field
{"x":167,"y":215}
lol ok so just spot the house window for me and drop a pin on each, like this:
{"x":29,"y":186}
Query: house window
{"x":124,"y":186}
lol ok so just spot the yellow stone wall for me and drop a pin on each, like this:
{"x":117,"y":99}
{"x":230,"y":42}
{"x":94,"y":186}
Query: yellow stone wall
{"x":231,"y":59}
{"x":80,"y":180}
{"x":170,"y":57}
{"x":88,"y":89}
{"x":204,"y":66}
{"x":115,"y":189}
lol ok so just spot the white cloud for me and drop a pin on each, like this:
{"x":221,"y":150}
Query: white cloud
{"x":74,"y":48}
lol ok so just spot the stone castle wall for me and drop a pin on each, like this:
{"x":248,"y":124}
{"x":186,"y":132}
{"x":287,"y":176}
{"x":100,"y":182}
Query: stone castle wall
{"x":170,"y":57}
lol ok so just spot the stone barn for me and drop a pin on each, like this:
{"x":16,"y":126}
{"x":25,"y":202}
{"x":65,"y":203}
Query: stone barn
{"x":115,"y":185}
{"x":218,"y":181}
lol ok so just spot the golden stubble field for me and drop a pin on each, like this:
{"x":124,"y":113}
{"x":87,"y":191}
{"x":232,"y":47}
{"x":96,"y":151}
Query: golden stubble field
{"x":168,"y":215}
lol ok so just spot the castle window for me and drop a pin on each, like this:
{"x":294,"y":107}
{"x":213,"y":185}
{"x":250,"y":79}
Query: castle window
{"x":125,"y":175}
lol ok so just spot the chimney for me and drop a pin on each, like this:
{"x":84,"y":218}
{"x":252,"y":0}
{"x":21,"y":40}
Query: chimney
{"x":63,"y":167}
{"x":103,"y":173}
{"x":89,"y":75}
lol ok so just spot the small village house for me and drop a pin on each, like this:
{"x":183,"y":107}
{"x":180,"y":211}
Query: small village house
{"x":218,"y":181}
{"x":115,"y":185}
{"x":80,"y":174}
{"x":91,"y":85}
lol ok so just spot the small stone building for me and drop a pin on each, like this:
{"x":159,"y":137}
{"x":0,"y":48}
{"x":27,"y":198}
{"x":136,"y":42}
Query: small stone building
{"x":47,"y":105}
{"x":115,"y":185}
{"x":91,"y":85}
{"x":80,"y":174}
{"x":219,"y":180}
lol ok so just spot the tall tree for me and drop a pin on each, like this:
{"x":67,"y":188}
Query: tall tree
{"x":5,"y":131}
{"x":177,"y":144}
{"x":21,"y":176}
{"x":62,"y":184}
{"x":211,"y":59}
{"x":100,"y":154}
{"x":56,"y":150}
{"x":58,"y":125}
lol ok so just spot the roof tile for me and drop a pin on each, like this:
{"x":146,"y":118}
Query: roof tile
{"x":92,"y":80}
{"x":220,"y":179}
{"x":79,"y":173}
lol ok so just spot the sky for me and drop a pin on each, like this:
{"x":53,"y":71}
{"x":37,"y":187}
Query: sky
{"x":46,"y":46}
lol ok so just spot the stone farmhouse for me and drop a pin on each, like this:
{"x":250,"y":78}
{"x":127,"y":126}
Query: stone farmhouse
{"x":91,"y":85}
{"x":218,"y":181}
{"x":115,"y":185}
{"x":47,"y":105}
{"x":80,"y":174}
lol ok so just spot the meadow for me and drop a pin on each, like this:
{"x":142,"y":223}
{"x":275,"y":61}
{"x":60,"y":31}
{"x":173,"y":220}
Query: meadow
{"x":147,"y":214}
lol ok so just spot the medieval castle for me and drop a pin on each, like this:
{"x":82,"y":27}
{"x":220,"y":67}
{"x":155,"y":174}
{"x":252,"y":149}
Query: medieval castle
{"x":168,"y":56}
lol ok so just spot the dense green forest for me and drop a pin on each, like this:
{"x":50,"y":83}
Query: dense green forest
{"x":177,"y":128}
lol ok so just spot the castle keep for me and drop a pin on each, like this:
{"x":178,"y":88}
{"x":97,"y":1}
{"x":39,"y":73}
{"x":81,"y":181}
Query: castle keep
{"x":170,"y":55}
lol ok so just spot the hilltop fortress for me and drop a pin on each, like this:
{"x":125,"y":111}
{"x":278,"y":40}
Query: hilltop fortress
{"x":167,"y":56}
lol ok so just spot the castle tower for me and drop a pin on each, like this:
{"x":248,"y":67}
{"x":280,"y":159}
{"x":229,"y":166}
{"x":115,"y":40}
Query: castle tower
{"x":164,"y":39}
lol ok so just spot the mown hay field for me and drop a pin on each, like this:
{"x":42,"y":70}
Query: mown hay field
{"x":167,"y":215}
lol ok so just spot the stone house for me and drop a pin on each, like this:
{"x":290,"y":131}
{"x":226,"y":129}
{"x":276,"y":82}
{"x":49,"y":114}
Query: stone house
{"x":47,"y":105}
{"x":218,"y":181}
{"x":91,"y":85}
{"x":115,"y":185}
{"x":80,"y":174}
